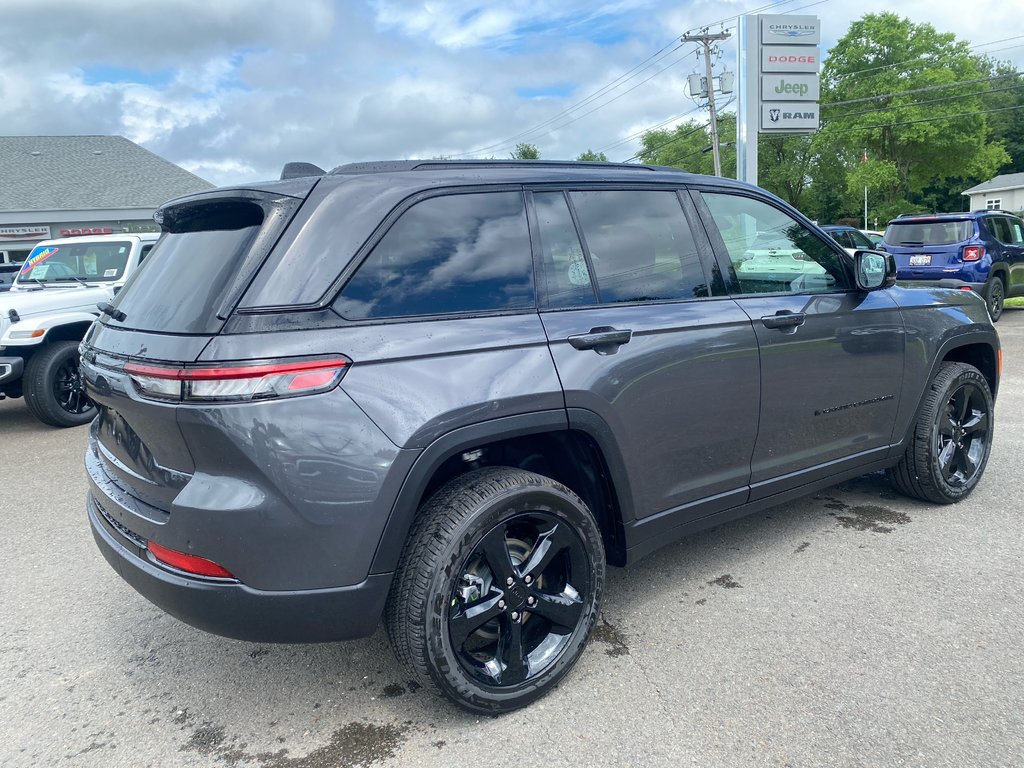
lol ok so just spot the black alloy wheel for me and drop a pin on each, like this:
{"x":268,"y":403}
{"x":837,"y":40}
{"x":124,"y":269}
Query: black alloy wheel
{"x":519,"y":599}
{"x":995,"y":296}
{"x":54,"y":388}
{"x":962,"y":437}
{"x":951,"y":439}
{"x":498,"y":589}
{"x":69,"y":389}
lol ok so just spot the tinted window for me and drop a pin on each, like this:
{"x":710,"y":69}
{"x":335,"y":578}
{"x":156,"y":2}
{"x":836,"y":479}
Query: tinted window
{"x":181,"y":291}
{"x":928,"y":232}
{"x":795,"y":260}
{"x":567,"y":280}
{"x":457,"y":253}
{"x":1016,"y":231}
{"x":858,"y":239}
{"x":640,"y":246}
{"x":1005,"y":230}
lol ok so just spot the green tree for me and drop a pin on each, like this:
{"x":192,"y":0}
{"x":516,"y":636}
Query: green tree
{"x":526,"y":152}
{"x":593,"y":156}
{"x":911,"y":159}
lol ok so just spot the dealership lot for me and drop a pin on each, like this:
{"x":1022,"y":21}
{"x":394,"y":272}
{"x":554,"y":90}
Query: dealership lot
{"x":853,"y":627}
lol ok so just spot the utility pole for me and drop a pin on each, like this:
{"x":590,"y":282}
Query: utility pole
{"x":706,"y":39}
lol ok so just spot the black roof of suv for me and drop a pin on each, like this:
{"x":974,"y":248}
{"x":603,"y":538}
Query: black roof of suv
{"x":446,"y":395}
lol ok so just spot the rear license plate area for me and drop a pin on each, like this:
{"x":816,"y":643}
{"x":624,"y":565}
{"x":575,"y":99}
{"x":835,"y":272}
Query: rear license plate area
{"x":920,"y":260}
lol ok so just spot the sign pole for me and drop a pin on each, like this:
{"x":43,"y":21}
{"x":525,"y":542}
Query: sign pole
{"x":747,"y":104}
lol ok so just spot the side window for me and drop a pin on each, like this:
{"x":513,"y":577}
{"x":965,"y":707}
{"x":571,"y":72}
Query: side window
{"x":145,"y":251}
{"x":859,"y":240}
{"x":1017,"y":232}
{"x":567,"y":280}
{"x":771,"y":252}
{"x":640,"y":246}
{"x":456,"y":253}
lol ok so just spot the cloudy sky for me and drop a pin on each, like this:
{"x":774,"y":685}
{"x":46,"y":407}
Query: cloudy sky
{"x":232,"y":89}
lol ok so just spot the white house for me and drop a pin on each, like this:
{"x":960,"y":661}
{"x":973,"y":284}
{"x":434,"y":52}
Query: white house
{"x":1004,"y":192}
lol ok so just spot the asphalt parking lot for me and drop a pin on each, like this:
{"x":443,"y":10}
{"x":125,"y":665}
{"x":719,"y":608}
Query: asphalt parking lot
{"x":853,"y":628}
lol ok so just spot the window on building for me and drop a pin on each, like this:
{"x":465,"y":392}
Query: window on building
{"x":994,"y":204}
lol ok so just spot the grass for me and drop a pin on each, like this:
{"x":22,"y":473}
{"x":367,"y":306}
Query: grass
{"x":1016,"y":302}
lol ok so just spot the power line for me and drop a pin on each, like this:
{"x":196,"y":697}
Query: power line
{"x":930,"y":119}
{"x":927,"y":101}
{"x":649,"y":128}
{"x":927,"y":60}
{"x":670,"y":141}
{"x":615,"y":84}
{"x":920,"y":90}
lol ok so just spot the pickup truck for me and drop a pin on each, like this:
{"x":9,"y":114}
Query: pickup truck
{"x":45,"y":314}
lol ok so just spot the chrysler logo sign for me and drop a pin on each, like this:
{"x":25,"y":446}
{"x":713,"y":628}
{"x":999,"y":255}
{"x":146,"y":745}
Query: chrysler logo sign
{"x":791,"y":30}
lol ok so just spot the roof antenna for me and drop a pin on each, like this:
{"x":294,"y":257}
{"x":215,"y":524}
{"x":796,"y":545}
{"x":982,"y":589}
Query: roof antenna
{"x":297,"y":170}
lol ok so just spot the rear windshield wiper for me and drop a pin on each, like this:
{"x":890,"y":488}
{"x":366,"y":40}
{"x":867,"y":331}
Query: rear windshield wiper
{"x":108,"y":309}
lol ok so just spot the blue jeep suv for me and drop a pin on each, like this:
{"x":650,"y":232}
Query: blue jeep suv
{"x":983,"y":251}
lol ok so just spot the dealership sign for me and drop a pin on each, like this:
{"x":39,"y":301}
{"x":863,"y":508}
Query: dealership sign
{"x":789,"y":57}
{"x":24,"y":233}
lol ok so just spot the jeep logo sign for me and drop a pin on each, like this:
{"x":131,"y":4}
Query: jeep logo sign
{"x":789,"y":87}
{"x":790,"y":58}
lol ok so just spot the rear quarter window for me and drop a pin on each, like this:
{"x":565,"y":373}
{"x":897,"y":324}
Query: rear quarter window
{"x":450,"y":254}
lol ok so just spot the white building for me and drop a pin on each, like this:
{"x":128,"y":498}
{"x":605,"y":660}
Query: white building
{"x":55,"y":186}
{"x":1003,"y":193}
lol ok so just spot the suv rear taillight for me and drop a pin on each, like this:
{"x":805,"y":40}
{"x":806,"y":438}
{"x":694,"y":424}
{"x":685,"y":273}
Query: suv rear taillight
{"x":237,"y":382}
{"x":973,"y":252}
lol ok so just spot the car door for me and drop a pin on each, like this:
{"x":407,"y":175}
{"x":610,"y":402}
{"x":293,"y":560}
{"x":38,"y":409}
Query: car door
{"x":645,"y":340}
{"x":1010,"y":233}
{"x":831,"y":355}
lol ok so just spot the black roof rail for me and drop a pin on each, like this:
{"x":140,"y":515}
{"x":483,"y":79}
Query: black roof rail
{"x":932,"y":213}
{"x":298,"y":170}
{"x":996,"y":210}
{"x":394,"y":166}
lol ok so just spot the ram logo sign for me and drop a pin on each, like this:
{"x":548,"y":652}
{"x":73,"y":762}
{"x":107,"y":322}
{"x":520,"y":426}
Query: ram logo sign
{"x":777,"y":118}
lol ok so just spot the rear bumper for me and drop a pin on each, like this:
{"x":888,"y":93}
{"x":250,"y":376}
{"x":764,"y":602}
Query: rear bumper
{"x":229,"y":608}
{"x":11,"y":369}
{"x":943,"y":283}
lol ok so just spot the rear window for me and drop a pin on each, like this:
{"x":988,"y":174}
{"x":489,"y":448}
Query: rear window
{"x":181,"y":288}
{"x":928,"y":232}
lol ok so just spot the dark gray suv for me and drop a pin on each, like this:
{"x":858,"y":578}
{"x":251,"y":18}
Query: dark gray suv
{"x":448,"y":394}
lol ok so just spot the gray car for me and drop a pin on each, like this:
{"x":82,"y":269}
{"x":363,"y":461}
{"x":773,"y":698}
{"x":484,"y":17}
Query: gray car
{"x":447,"y":395}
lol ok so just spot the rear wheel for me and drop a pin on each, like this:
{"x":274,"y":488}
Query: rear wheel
{"x":995,"y":295}
{"x":498,"y":590}
{"x":951,"y":440}
{"x":53,"y":386}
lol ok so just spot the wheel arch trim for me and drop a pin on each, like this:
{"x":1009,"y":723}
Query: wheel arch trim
{"x":404,"y":508}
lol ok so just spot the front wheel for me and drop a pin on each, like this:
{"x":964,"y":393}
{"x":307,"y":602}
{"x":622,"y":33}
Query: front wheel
{"x":498,"y":590}
{"x":951,"y":440}
{"x":53,"y":386}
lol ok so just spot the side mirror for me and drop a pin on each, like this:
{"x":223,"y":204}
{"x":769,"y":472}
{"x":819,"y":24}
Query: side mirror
{"x":874,"y":270}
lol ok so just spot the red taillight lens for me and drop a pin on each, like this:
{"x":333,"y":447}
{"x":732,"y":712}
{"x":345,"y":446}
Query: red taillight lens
{"x":244,"y":381}
{"x":973,"y":252}
{"x":191,"y":563}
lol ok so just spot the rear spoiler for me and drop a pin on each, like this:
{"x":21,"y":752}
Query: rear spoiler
{"x":298,"y":170}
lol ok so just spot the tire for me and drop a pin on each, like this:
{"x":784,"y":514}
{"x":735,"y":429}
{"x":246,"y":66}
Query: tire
{"x":995,"y":296}
{"x":453,"y":619}
{"x":952,"y":438}
{"x":53,"y":386}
